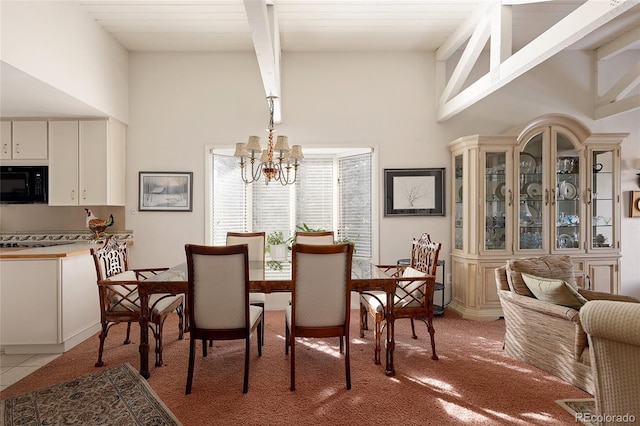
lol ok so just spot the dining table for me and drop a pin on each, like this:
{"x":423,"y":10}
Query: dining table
{"x":269,"y":277}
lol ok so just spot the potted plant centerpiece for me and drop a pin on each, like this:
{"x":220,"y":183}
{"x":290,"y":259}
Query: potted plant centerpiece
{"x":277,"y":245}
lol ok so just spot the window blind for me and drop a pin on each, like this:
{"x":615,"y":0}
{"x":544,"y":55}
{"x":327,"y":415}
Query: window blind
{"x":355,"y":207}
{"x":229,"y":199}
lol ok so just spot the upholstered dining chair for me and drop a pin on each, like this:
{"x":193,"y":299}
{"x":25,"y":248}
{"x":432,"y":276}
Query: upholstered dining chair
{"x":255,"y":241}
{"x":218,"y":298}
{"x":614,"y":348}
{"x":320,"y":298}
{"x":413,"y":297}
{"x":119,"y":299}
{"x":315,"y":237}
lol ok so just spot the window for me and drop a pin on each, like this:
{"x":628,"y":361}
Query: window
{"x":333,"y":192}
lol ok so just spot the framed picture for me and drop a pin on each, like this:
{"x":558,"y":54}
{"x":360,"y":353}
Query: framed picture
{"x":634,"y":204}
{"x":414,"y":192}
{"x":165,"y":191}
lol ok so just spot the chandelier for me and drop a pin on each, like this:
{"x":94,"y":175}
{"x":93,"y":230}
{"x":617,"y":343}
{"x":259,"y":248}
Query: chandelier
{"x":277,"y":162}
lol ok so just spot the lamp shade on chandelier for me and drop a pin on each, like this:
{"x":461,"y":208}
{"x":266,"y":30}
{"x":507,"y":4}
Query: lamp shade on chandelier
{"x":276,"y":163}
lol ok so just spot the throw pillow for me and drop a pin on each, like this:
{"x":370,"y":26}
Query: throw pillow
{"x":407,"y":291}
{"x":554,"y":291}
{"x":558,"y":267}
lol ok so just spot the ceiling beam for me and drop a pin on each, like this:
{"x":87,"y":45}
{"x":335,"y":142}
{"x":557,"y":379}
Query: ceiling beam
{"x":582,"y":21}
{"x":265,"y":33}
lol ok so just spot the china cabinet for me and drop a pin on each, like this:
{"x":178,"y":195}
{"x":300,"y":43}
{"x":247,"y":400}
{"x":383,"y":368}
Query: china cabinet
{"x":549,"y":187}
{"x":87,"y":163}
{"x":23,"y":140}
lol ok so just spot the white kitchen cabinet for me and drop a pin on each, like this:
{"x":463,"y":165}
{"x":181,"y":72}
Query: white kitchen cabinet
{"x":24,"y":140}
{"x":551,"y":187}
{"x":29,"y":140}
{"x":48,"y":305}
{"x":5,"y":140}
{"x":87,"y":163}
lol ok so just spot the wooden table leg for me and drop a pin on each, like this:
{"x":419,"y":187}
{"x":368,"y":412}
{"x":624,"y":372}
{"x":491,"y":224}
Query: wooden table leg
{"x":144,"y":335}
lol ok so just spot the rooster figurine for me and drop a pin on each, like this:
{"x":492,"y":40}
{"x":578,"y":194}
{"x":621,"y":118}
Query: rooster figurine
{"x":97,"y":226}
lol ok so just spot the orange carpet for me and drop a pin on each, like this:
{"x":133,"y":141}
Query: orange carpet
{"x":473,"y":383}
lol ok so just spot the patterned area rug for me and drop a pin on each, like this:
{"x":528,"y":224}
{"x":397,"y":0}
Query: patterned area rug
{"x":116,"y":396}
{"x":581,"y":409}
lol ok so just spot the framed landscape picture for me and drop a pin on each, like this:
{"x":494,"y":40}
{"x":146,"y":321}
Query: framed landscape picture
{"x":414,"y":192}
{"x":165,"y":191}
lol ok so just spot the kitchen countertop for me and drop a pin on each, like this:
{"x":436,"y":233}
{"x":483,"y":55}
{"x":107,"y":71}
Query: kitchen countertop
{"x":50,"y":252}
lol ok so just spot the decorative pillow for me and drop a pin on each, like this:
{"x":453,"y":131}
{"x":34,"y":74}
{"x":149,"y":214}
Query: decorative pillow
{"x":123,"y":276}
{"x":117,"y":291}
{"x":553,"y":291}
{"x":556,"y":267}
{"x":408,"y":293}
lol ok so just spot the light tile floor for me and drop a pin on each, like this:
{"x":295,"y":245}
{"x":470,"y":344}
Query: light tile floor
{"x":16,"y":367}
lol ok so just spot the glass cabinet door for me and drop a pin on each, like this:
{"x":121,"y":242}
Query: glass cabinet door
{"x":497,"y":198}
{"x":531,"y":202}
{"x":567,"y":195}
{"x":458,"y":196}
{"x":601,"y":199}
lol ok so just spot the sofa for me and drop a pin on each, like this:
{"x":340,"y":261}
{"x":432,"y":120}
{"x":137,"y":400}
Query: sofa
{"x":614,"y":339}
{"x":541,"y":333}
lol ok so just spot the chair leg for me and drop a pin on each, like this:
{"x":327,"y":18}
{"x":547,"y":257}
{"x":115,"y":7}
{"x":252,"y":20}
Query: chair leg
{"x":347,"y":364}
{"x":157,"y":333}
{"x":341,"y":345}
{"x":259,"y":335}
{"x":287,"y":339}
{"x":262,"y":316}
{"x":103,"y":335}
{"x":293,"y":362}
{"x":180,"y":312}
{"x":378,"y":332}
{"x":126,"y":339}
{"x":432,"y":333}
{"x":413,"y":330}
{"x":245,"y":385}
{"x":204,"y":347}
{"x":192,"y":356}
{"x":363,"y":320}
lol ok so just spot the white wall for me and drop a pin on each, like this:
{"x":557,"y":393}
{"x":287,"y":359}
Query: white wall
{"x":58,"y":44}
{"x":181,"y":102}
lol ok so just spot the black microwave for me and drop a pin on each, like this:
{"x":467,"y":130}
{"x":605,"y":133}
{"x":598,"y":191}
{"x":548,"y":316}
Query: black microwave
{"x":23,"y":184}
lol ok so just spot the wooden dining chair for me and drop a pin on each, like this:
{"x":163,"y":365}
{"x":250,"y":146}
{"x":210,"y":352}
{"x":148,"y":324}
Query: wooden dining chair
{"x":255,"y":241}
{"x":316,"y":237}
{"x":218,"y":298}
{"x":119,"y":299}
{"x":320,"y":298}
{"x":413,"y":297}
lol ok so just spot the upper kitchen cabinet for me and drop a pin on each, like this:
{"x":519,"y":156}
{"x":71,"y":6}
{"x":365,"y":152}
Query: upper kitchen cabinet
{"x":24,"y":140}
{"x":551,"y":187}
{"x":87,"y":163}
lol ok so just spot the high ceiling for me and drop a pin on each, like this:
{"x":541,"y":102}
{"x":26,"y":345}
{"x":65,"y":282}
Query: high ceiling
{"x":532,"y":31}
{"x":323,"y":25}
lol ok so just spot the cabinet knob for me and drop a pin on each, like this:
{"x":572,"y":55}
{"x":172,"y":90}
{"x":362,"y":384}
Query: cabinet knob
{"x":17,"y":148}
{"x":4,"y":148}
{"x":84,"y":194}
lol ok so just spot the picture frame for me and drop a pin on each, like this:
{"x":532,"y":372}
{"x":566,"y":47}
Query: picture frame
{"x":634,"y":204}
{"x":165,"y":191}
{"x":414,"y":192}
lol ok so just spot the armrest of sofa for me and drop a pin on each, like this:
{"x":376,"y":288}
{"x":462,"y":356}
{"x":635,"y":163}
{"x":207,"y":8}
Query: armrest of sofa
{"x":609,"y":320}
{"x":598,"y":295}
{"x":534,"y":304}
{"x":541,"y":310}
